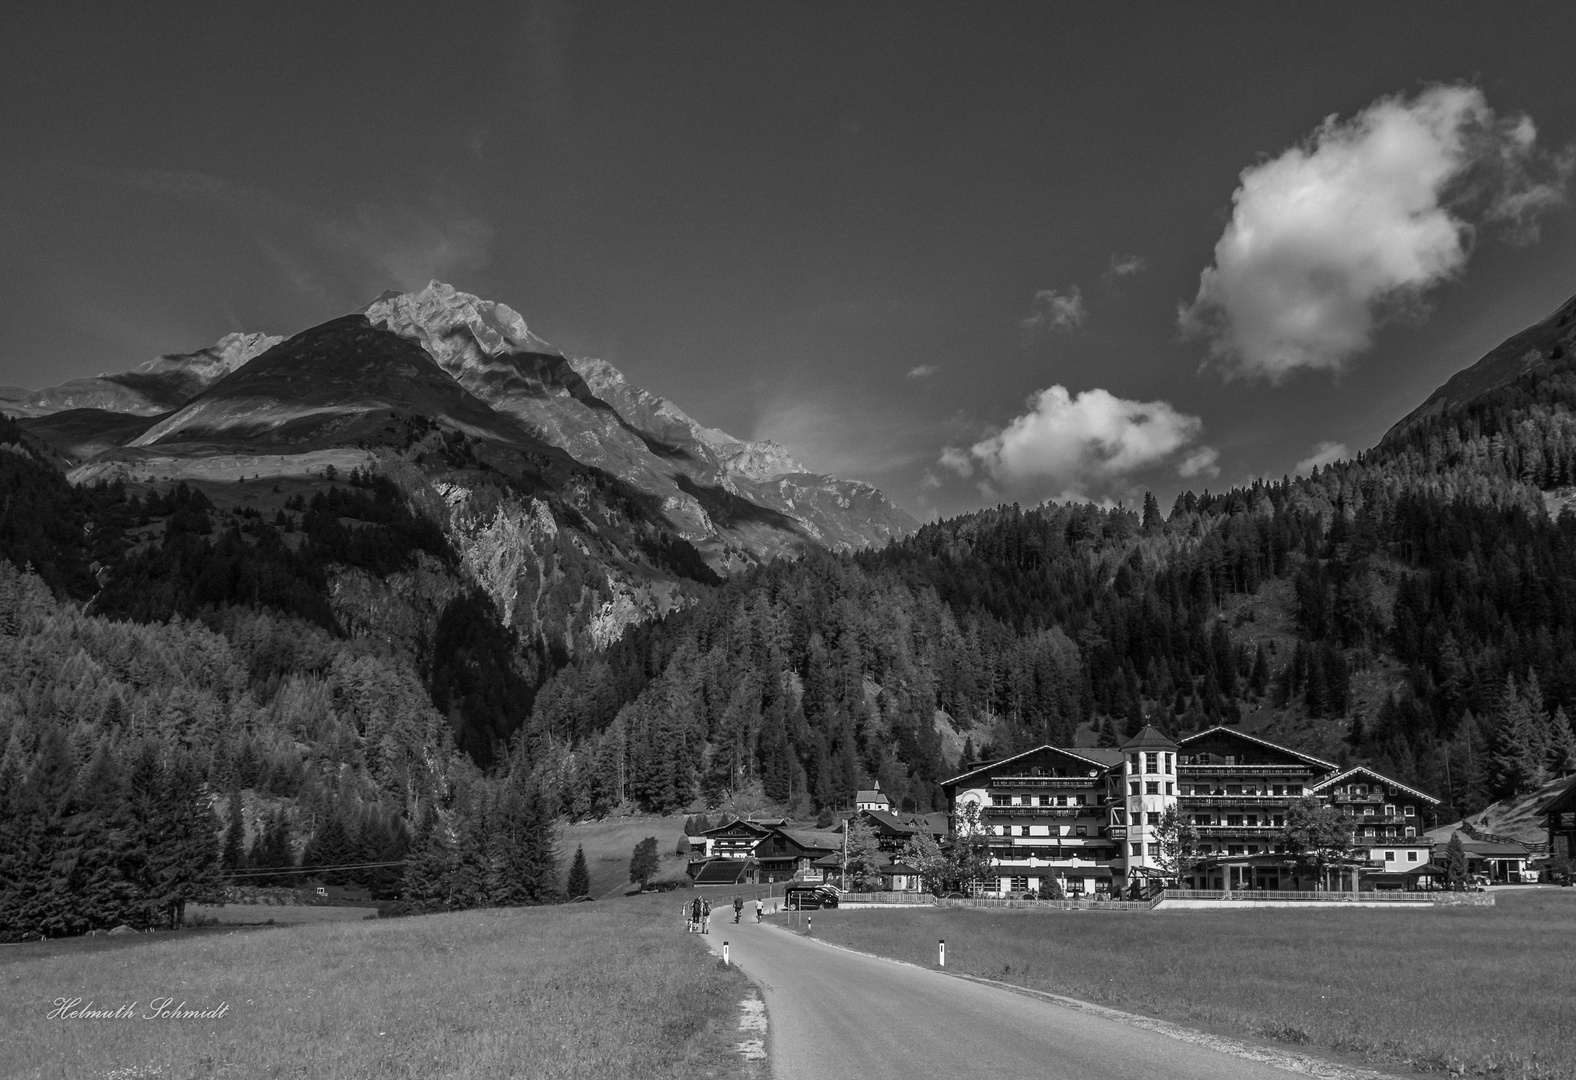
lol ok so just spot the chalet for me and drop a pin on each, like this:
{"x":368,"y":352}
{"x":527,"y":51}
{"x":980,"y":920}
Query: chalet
{"x":1089,"y":819}
{"x":900,"y":877}
{"x":1559,"y":815}
{"x":1388,"y":826}
{"x":786,"y":853}
{"x":894,"y":831}
{"x":1498,"y":860}
{"x":737,"y":838}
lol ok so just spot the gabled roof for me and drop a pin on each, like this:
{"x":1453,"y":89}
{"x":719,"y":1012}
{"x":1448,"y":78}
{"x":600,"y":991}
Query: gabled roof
{"x":872,"y":795}
{"x":760,"y":828}
{"x":1561,"y":798}
{"x":1245,"y":737}
{"x":723,"y":871}
{"x":1496,"y":849}
{"x":1082,"y":753}
{"x":1148,"y":738}
{"x":1381,"y":777}
{"x":813,"y":839}
{"x":888,"y":820}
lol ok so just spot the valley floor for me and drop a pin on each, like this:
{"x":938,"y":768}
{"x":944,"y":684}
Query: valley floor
{"x":1482,"y":991}
{"x":584,"y":991}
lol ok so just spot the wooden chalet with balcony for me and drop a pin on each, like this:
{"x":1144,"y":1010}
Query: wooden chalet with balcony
{"x":1389,"y":821}
{"x":784,"y":854}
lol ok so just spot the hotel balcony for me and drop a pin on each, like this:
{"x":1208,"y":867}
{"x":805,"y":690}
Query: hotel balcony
{"x":1238,"y":800}
{"x":1244,"y":770}
{"x":1042,"y":811}
{"x":1238,"y":830}
{"x":1045,"y":781}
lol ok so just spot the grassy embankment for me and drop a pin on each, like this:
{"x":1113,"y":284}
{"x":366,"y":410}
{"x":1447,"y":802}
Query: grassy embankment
{"x":581,"y":991}
{"x":1479,"y":991}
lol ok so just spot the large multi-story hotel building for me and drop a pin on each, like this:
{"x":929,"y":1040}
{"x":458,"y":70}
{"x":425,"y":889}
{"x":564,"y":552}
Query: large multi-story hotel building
{"x":1086,"y":819}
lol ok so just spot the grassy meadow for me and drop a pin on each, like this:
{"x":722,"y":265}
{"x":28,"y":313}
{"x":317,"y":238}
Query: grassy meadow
{"x":579,"y":992}
{"x":1474,"y":991}
{"x":610,"y":842}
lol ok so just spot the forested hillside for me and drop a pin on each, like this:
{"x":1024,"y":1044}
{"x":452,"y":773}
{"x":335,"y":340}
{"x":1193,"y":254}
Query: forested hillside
{"x":1429,"y":565}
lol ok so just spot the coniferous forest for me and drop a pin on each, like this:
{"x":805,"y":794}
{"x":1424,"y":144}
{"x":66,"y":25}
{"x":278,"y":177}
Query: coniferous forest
{"x":182,"y":703}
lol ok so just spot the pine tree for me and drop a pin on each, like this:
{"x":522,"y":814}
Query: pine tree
{"x":1562,"y":744}
{"x":643,"y":862}
{"x":427,"y":866}
{"x":579,"y":875}
{"x":1455,"y":863}
{"x":234,"y":856}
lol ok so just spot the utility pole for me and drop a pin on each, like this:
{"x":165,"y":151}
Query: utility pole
{"x":845,"y":853}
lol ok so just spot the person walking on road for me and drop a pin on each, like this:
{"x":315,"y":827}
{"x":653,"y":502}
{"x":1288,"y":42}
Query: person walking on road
{"x":705,"y":916}
{"x":695,"y":915}
{"x":738,"y":907}
{"x":757,"y":909}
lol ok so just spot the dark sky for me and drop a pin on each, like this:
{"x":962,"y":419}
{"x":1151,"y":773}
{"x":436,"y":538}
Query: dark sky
{"x":884,"y":235}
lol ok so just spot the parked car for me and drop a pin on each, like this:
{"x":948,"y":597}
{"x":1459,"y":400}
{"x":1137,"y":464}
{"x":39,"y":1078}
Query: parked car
{"x":809,"y":897}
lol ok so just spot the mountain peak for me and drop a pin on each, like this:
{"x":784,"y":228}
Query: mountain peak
{"x":459,"y":329}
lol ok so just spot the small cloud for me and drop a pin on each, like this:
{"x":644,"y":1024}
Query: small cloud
{"x":923,"y":371}
{"x":1056,"y":311}
{"x":929,"y":481}
{"x":1126,"y":265}
{"x":1326,"y":453}
{"x":957,"y":460}
{"x":1074,"y":446}
{"x":1357,"y":222}
{"x":1201,"y":462}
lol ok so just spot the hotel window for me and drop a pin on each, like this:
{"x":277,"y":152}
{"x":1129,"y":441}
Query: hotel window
{"x":1389,"y":856}
{"x":1294,"y":789}
{"x":1023,"y":830}
{"x":1138,"y":817}
{"x":1361,"y":790}
{"x":1061,"y":800}
{"x":1368,"y":811}
{"x":1045,"y":800}
{"x":1410,"y":811}
{"x":1278,"y":789}
{"x":1026,"y":800}
{"x":1078,"y":800}
{"x":998,"y":799}
{"x":1152,"y":763}
{"x":1136,"y":762}
{"x":1231,"y":759}
{"x":1370,"y":832}
{"x":1082,"y":830}
{"x":1389,"y":810}
{"x":1411,"y":856}
{"x":1170,"y":788}
{"x":1411,"y":831}
{"x":1280,"y":820}
{"x":1233,"y":819}
{"x":1020,"y":884}
{"x":1154,"y":851}
{"x":1169,"y":767}
{"x":1133,"y":786}
{"x":1152,"y":787}
{"x":1234,"y":849}
{"x":1138,"y":850}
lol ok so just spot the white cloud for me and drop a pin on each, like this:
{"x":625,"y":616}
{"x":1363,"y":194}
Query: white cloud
{"x":1323,"y":454}
{"x":1072,"y":447}
{"x":1201,"y":462}
{"x":923,"y":371}
{"x":957,"y":460}
{"x":1358,"y":221}
{"x":1056,"y":311}
{"x":1127,"y":265}
{"x":844,"y":436}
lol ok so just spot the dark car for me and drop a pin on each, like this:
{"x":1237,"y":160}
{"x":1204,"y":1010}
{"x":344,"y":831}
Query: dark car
{"x":809,"y":897}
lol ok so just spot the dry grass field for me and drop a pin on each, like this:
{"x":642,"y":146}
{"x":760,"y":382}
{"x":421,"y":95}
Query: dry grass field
{"x":577,"y":992}
{"x":1458,"y":991}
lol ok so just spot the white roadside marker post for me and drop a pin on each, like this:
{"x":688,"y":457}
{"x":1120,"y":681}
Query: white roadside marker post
{"x":809,"y":924}
{"x":943,"y":944}
{"x":724,"y":954}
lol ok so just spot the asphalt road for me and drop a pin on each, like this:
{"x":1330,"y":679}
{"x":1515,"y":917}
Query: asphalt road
{"x":837,"y":1013}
